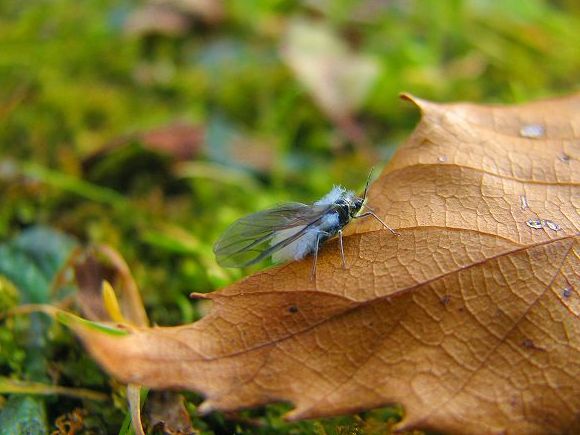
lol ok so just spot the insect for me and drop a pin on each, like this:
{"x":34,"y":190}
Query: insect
{"x":292,"y":231}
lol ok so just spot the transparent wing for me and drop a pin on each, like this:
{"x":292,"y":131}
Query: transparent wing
{"x":250,"y":239}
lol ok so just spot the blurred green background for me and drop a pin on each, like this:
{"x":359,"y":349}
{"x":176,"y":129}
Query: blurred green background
{"x":152,"y":126}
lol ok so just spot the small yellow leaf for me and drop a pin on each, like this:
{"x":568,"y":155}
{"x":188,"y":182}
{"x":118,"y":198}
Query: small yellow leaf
{"x":111,"y":303}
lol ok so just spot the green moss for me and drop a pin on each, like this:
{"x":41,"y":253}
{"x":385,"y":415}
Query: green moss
{"x":8,"y":295}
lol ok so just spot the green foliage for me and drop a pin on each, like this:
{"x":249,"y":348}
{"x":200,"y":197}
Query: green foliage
{"x":23,"y":415}
{"x":31,"y":262}
{"x":8,"y":295}
{"x":80,"y":93}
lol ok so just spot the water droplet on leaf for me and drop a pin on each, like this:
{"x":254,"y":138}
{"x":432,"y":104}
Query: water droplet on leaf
{"x":532,"y":131}
{"x":552,"y":225}
{"x":534,"y":223}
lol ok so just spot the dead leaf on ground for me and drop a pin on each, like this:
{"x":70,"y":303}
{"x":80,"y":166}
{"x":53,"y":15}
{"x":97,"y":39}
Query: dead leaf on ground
{"x":157,"y":19}
{"x":92,"y":268}
{"x":173,"y":18}
{"x":179,"y":141}
{"x":168,"y":414}
{"x":470,"y":319}
{"x":338,"y":78}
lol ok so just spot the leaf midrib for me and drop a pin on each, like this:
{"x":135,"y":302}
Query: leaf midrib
{"x":357,"y":305}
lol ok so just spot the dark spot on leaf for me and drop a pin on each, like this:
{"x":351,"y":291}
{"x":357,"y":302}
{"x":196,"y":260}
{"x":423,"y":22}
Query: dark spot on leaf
{"x":528,"y":343}
{"x":564,"y":157}
{"x":293,"y":309}
{"x":567,"y":292}
{"x":445,"y":299}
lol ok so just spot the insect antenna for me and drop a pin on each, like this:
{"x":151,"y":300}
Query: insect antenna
{"x":367,"y":184}
{"x":370,"y":211}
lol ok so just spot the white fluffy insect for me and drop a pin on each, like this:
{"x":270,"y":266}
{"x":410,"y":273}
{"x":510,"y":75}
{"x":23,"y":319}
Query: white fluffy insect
{"x":291,"y":231}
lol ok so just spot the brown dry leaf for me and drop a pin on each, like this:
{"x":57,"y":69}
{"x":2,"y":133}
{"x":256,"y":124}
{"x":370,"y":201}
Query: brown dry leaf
{"x":92,"y":267}
{"x":173,"y":17}
{"x":470,"y":319}
{"x":179,"y":140}
{"x":100,"y":263}
{"x":168,"y":414}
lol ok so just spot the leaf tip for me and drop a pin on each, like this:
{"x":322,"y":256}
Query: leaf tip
{"x":205,"y":408}
{"x":196,"y":295}
{"x":418,"y":102}
{"x":298,"y":413}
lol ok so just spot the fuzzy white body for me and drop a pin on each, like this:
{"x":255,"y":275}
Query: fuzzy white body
{"x":306,"y":244}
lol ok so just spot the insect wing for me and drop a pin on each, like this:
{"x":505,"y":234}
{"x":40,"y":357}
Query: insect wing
{"x":250,"y":239}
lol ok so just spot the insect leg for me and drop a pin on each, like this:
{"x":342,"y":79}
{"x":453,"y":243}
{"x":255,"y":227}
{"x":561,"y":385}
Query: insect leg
{"x":341,"y":249}
{"x":318,"y":236}
{"x":315,"y":259}
{"x":370,"y":213}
